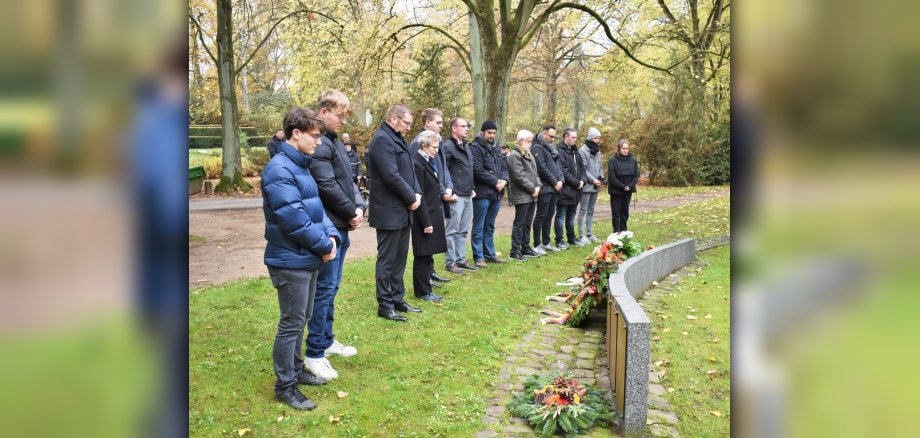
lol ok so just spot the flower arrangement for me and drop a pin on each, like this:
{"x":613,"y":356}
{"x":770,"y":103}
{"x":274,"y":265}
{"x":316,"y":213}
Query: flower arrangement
{"x":557,"y":401}
{"x":596,"y":269}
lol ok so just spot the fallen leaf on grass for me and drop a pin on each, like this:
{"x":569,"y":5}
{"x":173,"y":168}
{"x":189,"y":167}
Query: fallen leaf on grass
{"x":281,"y":418}
{"x":712,"y":359}
{"x":691,"y":317}
{"x":712,"y":373}
{"x":658,"y":363}
{"x":648,"y":422}
{"x":661,"y":372}
{"x":654,"y":283}
{"x":671,"y":390}
{"x":242,"y":432}
{"x":342,"y":394}
{"x":333,"y":419}
{"x":715,"y":413}
{"x":715,"y":341}
{"x":666,"y":329}
{"x":656,"y":338}
{"x":708,"y":316}
{"x":683,"y":333}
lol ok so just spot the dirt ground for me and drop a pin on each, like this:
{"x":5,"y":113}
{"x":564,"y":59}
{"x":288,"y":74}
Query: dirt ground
{"x":233,"y":243}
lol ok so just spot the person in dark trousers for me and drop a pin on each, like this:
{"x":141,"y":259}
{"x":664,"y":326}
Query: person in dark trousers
{"x":523,"y":191}
{"x":354,"y":160}
{"x":428,"y":224}
{"x":573,"y":180}
{"x":345,"y":208}
{"x":490,"y":176}
{"x":274,"y":143}
{"x":301,"y":240}
{"x":547,"y":159}
{"x":395,"y":195}
{"x":433,"y":120}
{"x":460,"y":165}
{"x":622,"y":174}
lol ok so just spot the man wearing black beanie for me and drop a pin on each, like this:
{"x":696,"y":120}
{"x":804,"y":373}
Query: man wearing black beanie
{"x":490,"y":176}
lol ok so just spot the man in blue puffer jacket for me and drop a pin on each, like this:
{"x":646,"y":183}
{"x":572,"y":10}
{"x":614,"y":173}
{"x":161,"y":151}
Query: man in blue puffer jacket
{"x":300,"y":239}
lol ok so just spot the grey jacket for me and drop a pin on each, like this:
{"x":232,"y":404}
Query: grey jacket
{"x":593,"y":168}
{"x":522,"y":172}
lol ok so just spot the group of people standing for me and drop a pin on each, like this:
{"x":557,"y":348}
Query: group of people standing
{"x":432,"y":191}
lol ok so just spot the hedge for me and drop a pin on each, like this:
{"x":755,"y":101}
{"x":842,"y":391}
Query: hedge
{"x":210,"y":141}
{"x":215,"y":131}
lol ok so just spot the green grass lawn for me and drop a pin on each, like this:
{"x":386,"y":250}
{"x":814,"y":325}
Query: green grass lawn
{"x":696,"y":353}
{"x":430,"y":377}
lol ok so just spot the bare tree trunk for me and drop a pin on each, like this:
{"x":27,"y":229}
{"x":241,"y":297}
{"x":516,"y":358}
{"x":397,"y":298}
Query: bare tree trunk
{"x":552,"y":88}
{"x":231,"y":162}
{"x":476,"y":63}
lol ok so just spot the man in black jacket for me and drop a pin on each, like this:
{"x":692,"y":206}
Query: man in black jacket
{"x":460,"y":165}
{"x":547,"y":158}
{"x":274,"y":144}
{"x":345,"y":208}
{"x":490,"y":176}
{"x":395,"y":195}
{"x":573,"y":180}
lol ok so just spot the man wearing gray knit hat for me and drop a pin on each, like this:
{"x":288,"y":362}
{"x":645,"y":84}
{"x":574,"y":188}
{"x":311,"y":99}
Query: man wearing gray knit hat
{"x":594,"y":177}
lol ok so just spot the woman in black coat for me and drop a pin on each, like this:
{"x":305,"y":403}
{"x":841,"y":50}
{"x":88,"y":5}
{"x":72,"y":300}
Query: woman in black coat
{"x":428,"y":236}
{"x":622,"y":174}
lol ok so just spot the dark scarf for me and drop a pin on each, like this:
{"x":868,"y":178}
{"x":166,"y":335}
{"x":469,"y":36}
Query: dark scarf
{"x":593,"y":147}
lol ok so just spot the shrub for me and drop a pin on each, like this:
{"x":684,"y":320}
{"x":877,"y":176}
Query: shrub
{"x":203,"y":142}
{"x":212,"y":167}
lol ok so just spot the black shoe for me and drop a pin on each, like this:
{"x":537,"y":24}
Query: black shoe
{"x":295,"y":399}
{"x":430,"y":297}
{"x":529,"y":252}
{"x":435,"y":284}
{"x":307,"y":378}
{"x":437,"y":277}
{"x":391,"y":315}
{"x":518,"y":257}
{"x":405,"y":307}
{"x":467,"y":266}
{"x":455,"y":269}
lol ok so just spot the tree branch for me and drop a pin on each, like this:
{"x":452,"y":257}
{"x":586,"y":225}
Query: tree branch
{"x":201,"y":38}
{"x":272,"y":29}
{"x":667,"y":13}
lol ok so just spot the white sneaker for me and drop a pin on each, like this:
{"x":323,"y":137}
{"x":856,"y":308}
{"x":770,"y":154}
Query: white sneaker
{"x":539,"y":250}
{"x":341,"y":349}
{"x":593,"y":238}
{"x":552,"y":248}
{"x":320,"y":368}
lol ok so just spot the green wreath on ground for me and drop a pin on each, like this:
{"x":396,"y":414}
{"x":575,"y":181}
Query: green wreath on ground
{"x":558,"y":402}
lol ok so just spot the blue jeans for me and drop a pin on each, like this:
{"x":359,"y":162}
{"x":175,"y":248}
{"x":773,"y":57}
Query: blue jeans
{"x":329,"y":277}
{"x":566,"y":213}
{"x":296,"y":289}
{"x":484,"y":213}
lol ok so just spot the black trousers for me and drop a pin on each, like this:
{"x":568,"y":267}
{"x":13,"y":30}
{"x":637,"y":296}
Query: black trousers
{"x":543,"y":221}
{"x":619,"y":205}
{"x":392,"y":252}
{"x":422,"y":267}
{"x":520,"y":228}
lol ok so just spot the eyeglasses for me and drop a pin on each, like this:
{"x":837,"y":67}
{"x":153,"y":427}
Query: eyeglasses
{"x":409,"y":123}
{"x":316,"y":136}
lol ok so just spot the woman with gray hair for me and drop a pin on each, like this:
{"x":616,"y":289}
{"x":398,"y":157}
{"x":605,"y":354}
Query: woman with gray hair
{"x":523,"y":190}
{"x":623,"y":171}
{"x":428,"y":236}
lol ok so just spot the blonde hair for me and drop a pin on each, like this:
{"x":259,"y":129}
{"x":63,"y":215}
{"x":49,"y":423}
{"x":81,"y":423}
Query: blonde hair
{"x":332,"y":99}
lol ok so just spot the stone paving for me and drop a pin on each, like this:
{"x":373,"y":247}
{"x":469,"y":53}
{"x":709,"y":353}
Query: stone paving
{"x":583,"y":352}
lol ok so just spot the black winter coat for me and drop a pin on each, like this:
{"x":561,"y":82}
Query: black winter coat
{"x":393,"y":184}
{"x":430,"y":213}
{"x":274,"y":146}
{"x":573,"y":174}
{"x":547,"y":158}
{"x":331,"y":168}
{"x":488,"y":167}
{"x":622,"y":172}
{"x":460,"y":165}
